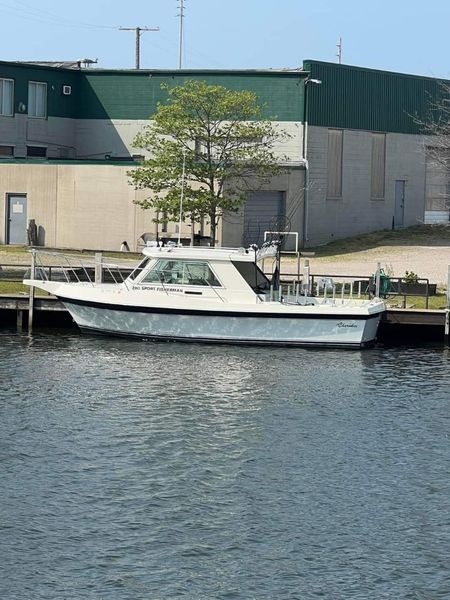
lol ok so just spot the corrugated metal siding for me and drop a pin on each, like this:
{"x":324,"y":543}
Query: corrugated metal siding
{"x":356,"y":98}
{"x":135,"y":95}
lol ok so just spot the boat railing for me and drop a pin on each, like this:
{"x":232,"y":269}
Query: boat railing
{"x":73,"y":268}
{"x":332,"y":288}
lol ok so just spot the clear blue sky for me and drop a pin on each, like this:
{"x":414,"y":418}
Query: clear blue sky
{"x":397,"y":35}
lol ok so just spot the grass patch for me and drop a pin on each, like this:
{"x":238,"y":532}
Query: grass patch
{"x":437,"y":302}
{"x":13,"y":249}
{"x":419,"y":235}
{"x":15,"y":287}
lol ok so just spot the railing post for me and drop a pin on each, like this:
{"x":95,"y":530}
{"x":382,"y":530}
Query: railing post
{"x":98,"y":267}
{"x":31,"y":298}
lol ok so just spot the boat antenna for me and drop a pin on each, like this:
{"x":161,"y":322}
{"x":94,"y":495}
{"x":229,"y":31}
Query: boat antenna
{"x":182,"y":195}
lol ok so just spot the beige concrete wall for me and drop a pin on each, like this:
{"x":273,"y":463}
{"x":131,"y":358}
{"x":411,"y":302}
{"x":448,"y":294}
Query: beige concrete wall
{"x":355,"y":212}
{"x":96,"y":138}
{"x":78,"y":206}
{"x":91,"y":206}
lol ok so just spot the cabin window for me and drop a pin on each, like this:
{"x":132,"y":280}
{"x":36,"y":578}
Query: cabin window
{"x":253,"y":276}
{"x":138,"y":270}
{"x":180,"y":272}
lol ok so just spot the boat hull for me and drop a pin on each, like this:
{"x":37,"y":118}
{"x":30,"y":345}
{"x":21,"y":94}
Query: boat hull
{"x":295,"y":329}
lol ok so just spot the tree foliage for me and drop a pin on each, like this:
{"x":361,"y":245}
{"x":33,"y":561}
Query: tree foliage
{"x":209,"y":146}
{"x":436,"y":124}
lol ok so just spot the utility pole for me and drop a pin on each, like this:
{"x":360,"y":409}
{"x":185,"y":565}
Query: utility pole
{"x":339,"y":51}
{"x":138,"y":31}
{"x":181,"y":15}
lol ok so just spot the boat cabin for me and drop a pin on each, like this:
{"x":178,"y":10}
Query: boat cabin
{"x":201,"y":271}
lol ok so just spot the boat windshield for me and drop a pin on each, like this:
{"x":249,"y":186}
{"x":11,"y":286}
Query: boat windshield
{"x":182,"y":272}
{"x":141,"y":266}
{"x":253,"y":275}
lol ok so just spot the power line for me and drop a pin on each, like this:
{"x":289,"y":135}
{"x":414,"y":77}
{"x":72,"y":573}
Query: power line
{"x":138,"y":31}
{"x":42,"y":16}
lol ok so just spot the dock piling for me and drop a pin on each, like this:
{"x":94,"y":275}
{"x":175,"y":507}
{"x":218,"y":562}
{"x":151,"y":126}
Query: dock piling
{"x":31,"y":298}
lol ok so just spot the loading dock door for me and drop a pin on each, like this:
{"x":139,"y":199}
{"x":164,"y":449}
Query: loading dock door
{"x":16,"y":219}
{"x":263,"y":211}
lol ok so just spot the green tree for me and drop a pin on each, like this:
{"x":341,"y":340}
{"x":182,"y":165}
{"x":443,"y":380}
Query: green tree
{"x":209,"y":146}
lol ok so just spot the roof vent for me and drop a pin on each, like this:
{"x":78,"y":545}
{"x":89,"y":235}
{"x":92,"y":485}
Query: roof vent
{"x":67,"y":90}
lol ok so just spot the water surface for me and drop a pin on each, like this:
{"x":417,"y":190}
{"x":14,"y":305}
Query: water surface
{"x":135,"y":470}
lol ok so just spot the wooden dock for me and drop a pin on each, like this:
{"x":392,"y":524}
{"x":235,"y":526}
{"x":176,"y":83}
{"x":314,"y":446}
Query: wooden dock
{"x":398,"y":324}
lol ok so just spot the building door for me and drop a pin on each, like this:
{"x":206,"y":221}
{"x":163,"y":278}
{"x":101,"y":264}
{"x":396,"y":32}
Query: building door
{"x":16,"y":219}
{"x":263,"y":211}
{"x":399,"y":203}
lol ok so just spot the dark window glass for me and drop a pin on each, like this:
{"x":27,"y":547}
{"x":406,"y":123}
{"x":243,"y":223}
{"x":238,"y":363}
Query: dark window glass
{"x":6,"y":150}
{"x":36,"y":151}
{"x":253,"y":276}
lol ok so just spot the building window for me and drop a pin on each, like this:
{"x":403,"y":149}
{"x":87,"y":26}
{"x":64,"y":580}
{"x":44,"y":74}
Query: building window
{"x":6,"y":151}
{"x":334,"y":165}
{"x":378,"y":166}
{"x":37,"y":99}
{"x":36,"y":152}
{"x":6,"y":97}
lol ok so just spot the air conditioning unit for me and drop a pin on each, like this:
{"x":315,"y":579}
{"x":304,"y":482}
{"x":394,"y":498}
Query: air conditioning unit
{"x":67,"y":90}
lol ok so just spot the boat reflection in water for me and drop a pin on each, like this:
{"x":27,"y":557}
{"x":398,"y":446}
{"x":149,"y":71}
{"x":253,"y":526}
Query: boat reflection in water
{"x":214,"y":295}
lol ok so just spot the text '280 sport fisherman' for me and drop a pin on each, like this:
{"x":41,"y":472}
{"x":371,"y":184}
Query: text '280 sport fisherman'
{"x":214,"y":295}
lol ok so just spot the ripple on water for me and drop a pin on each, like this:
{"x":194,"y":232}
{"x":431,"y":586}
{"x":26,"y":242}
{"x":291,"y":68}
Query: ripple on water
{"x":134,"y":470}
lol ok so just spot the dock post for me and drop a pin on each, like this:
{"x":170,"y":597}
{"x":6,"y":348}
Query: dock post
{"x":98,"y":267}
{"x":31,"y":299}
{"x":378,"y":280}
{"x":447,"y":311}
{"x":19,"y":320}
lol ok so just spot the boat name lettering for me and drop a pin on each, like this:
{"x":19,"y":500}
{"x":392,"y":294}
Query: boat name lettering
{"x":157,"y":289}
{"x":347,"y":324}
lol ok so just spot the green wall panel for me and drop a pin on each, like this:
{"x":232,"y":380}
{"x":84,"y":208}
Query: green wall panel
{"x":131,"y":95}
{"x":349,"y":97}
{"x":356,"y":98}
{"x":58,"y":105}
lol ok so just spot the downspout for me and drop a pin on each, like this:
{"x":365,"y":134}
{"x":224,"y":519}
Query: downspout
{"x":307,"y":81}
{"x":306,"y":164}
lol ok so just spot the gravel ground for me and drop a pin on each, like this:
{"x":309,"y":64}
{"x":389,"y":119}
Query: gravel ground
{"x":429,"y":262}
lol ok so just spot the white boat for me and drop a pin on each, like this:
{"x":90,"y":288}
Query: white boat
{"x":214,"y":295}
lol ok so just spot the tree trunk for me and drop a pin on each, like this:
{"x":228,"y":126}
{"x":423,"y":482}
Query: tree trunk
{"x":213,"y":222}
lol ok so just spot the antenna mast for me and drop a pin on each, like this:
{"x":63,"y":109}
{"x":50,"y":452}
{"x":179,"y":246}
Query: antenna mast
{"x":339,"y":51}
{"x":181,"y":15}
{"x":138,"y":31}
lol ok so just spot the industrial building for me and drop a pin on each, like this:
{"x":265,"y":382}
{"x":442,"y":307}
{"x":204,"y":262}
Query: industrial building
{"x":355,"y":161}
